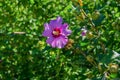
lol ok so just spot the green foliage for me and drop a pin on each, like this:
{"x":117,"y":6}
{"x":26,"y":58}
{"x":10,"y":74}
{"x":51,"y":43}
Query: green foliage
{"x":25,"y":55}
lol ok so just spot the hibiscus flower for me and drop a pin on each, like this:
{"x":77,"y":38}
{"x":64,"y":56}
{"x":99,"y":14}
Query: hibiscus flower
{"x":56,"y":33}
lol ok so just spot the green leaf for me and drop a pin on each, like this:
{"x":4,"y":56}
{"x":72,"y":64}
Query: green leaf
{"x":113,"y":75}
{"x":32,"y":1}
{"x":83,"y":43}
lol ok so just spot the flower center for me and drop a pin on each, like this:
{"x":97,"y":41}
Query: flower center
{"x":56,"y":32}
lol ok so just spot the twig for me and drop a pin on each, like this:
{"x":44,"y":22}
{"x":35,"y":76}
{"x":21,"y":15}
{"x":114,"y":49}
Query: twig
{"x":19,"y":32}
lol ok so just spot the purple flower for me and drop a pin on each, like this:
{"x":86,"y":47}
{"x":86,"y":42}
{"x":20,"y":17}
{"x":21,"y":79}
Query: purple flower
{"x":56,"y":33}
{"x":83,"y":33}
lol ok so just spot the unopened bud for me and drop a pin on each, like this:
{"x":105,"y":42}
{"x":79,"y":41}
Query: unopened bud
{"x":113,"y":67}
{"x":69,"y":44}
{"x":71,"y":41}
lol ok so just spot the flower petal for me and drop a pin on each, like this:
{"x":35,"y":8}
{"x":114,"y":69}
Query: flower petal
{"x":65,"y":30}
{"x":59,"y":20}
{"x":65,"y":26}
{"x":47,"y":26}
{"x":47,"y":32}
{"x":59,"y":42}
{"x":56,"y":23}
{"x":50,"y":40}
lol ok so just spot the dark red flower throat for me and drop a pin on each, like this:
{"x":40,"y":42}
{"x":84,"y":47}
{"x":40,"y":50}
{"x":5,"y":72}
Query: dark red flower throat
{"x":56,"y":32}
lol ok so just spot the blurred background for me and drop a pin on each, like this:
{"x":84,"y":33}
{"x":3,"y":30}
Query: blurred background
{"x":25,"y":55}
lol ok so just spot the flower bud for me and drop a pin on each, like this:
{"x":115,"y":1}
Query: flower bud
{"x":113,"y":67}
{"x":69,"y":44}
{"x":71,"y":41}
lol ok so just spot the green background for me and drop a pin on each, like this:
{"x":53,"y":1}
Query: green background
{"x":28,"y":57}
